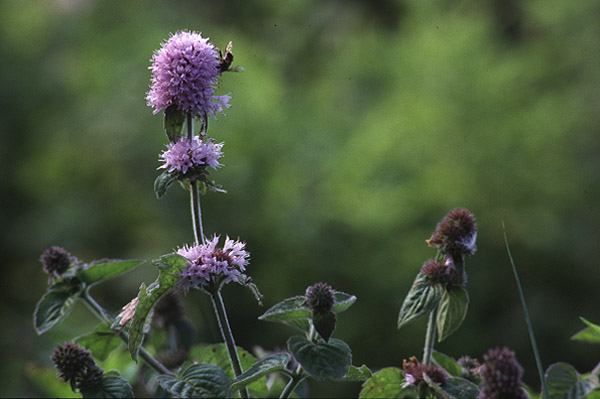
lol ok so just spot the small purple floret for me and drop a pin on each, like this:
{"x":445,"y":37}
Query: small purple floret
{"x":184,"y":72}
{"x":186,"y":154}
{"x":207,"y":261}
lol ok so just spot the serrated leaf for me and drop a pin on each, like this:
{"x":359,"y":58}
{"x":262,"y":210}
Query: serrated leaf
{"x":261,"y":368}
{"x":55,"y":305}
{"x":163,"y":182}
{"x":586,"y":335}
{"x":452,"y":311}
{"x":421,"y":299}
{"x":292,"y":312}
{"x":218,"y":355}
{"x":460,"y":388}
{"x":197,"y":381}
{"x":447,"y":363}
{"x":105,"y":269}
{"x":358,"y":373}
{"x":111,"y":386}
{"x":324,"y":323}
{"x":169,"y":267}
{"x":101,"y":342}
{"x":173,"y":122}
{"x":387,"y":383}
{"x":594,"y":327}
{"x":564,"y":382}
{"x":321,"y":360}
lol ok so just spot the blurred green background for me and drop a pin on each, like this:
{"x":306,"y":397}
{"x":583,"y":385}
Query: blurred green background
{"x":356,"y":126}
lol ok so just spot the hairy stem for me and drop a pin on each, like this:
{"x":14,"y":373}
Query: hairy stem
{"x":536,"y":351}
{"x":103,"y":315}
{"x":219,"y":305}
{"x":429,"y":338}
{"x":291,"y":385}
{"x":194,"y":192}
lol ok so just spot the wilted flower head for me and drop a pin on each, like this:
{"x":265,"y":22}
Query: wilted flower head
{"x":75,"y":365}
{"x":188,"y":154}
{"x":501,"y":373}
{"x":56,"y":261}
{"x":128,"y":312}
{"x":414,"y":370}
{"x":445,"y":274}
{"x":319,"y":297}
{"x":184,"y":72}
{"x":207,"y":261}
{"x":455,"y":234}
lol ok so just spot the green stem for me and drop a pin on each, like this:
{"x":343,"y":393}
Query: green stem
{"x":429,"y":338}
{"x":219,"y":305}
{"x":291,"y":385}
{"x":536,"y":351}
{"x":194,"y":192}
{"x":101,"y":313}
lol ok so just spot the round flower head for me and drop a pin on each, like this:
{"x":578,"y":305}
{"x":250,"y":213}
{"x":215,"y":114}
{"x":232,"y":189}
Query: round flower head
{"x":414,"y":370}
{"x":455,"y":234}
{"x":207,"y":261}
{"x":184,"y":72}
{"x":438,"y":272}
{"x":319,"y":297}
{"x":75,"y":365}
{"x":501,"y":373}
{"x":56,"y":261}
{"x":192,"y":154}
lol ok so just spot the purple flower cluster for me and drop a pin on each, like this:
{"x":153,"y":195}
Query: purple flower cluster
{"x":501,"y":373}
{"x":207,"y":261}
{"x":184,"y":72}
{"x":414,"y":371}
{"x":188,"y":154}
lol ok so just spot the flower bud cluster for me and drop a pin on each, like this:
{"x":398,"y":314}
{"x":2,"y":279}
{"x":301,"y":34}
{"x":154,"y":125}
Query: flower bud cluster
{"x":501,"y":373}
{"x":442,"y":273}
{"x":56,"y":261}
{"x":414,"y":371}
{"x":455,"y":234}
{"x":76,"y":366}
{"x":319,"y":298}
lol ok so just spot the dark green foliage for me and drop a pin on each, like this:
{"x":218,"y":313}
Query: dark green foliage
{"x":261,"y":368}
{"x":111,"y":386}
{"x":423,"y":297}
{"x":55,"y":305}
{"x":452,"y":311}
{"x":387,"y":383}
{"x":101,"y":270}
{"x":173,"y":122}
{"x":319,"y":359}
{"x":564,"y":382}
{"x":101,"y":342}
{"x":197,"y":381}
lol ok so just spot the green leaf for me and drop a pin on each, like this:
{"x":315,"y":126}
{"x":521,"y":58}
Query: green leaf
{"x":594,"y":327}
{"x":197,"y":381}
{"x":292,"y":312}
{"x":101,"y":342}
{"x":452,"y":311}
{"x":324,"y":323}
{"x":111,"y":386}
{"x":169,"y":266}
{"x":422,"y":298}
{"x":173,"y":122}
{"x":163,"y":182}
{"x":587,"y":335}
{"x":55,"y":305}
{"x":218,"y":355}
{"x":447,"y":363}
{"x":358,"y":373}
{"x":564,"y":382}
{"x":105,"y":269}
{"x":460,"y":388}
{"x":261,"y":368}
{"x":321,"y":360}
{"x":387,"y":383}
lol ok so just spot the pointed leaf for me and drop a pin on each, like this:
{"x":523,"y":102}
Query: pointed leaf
{"x":261,"y":368}
{"x":421,"y":299}
{"x":169,"y":267}
{"x":163,"y":182}
{"x":460,"y":388}
{"x":342,"y":301}
{"x":361,"y":373}
{"x":324,"y":323}
{"x":55,"y":305}
{"x":101,"y":342}
{"x":452,"y":311}
{"x":111,"y":386}
{"x":387,"y":383}
{"x":218,"y":355}
{"x":594,"y":327}
{"x":564,"y":382}
{"x":105,"y":269}
{"x":447,"y":363}
{"x":197,"y":381}
{"x":321,"y":360}
{"x":173,"y":122}
{"x":586,"y":335}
